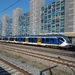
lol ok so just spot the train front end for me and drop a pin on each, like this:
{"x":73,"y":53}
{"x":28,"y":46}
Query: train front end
{"x":67,"y":43}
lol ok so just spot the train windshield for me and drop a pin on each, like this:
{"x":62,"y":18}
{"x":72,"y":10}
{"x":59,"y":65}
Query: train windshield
{"x":61,"y":39}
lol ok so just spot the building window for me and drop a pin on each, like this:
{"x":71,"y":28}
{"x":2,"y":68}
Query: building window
{"x":49,"y":11}
{"x":45,"y":21}
{"x":62,"y":19}
{"x":49,"y":6}
{"x":62,"y":13}
{"x":62,"y":8}
{"x":62,"y":22}
{"x":45,"y":27}
{"x":41,"y":27}
{"x":45,"y":11}
{"x":57,"y":5}
{"x":42,"y":8}
{"x":49,"y":16}
{"x":49,"y":25}
{"x":57,"y":25}
{"x":53,"y":21}
{"x":57,"y":9}
{"x":57,"y":20}
{"x":42,"y":21}
{"x":57,"y":14}
{"x":45,"y":17}
{"x":62,"y":30}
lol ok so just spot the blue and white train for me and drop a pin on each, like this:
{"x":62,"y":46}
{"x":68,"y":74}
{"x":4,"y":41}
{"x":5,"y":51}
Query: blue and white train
{"x":43,"y":40}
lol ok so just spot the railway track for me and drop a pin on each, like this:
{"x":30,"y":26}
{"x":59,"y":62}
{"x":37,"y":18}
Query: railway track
{"x":7,"y":68}
{"x":41,"y":56}
{"x":41,"y":49}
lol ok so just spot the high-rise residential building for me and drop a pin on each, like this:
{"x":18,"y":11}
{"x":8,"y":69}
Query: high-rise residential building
{"x":9,"y":27}
{"x":4,"y":19}
{"x":0,"y":28}
{"x":69,"y":16}
{"x":15,"y":19}
{"x":24,"y":24}
{"x":35,"y":13}
{"x":53,"y":17}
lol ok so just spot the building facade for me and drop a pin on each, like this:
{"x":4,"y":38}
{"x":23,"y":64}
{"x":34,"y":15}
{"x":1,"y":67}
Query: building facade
{"x":24,"y":24}
{"x":4,"y":19}
{"x":15,"y":20}
{"x":53,"y":17}
{"x":69,"y":16}
{"x":0,"y":28}
{"x":9,"y":27}
{"x":35,"y":13}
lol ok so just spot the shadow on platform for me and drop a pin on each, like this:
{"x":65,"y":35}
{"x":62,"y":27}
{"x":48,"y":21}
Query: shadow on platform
{"x":3,"y":72}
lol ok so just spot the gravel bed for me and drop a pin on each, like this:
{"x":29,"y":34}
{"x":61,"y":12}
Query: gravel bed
{"x":50,"y":54}
{"x":26,"y":67}
{"x":33,"y":69}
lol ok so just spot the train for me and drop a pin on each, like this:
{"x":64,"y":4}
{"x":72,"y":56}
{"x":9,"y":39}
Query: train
{"x":40,"y":40}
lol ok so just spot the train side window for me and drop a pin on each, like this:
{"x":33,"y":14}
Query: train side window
{"x":11,"y":39}
{"x":51,"y":39}
{"x":61,"y":39}
{"x":47,"y":39}
{"x":42,"y":40}
{"x":17,"y":39}
{"x":30,"y":39}
{"x":35,"y":40}
{"x":23,"y":39}
{"x":6,"y":38}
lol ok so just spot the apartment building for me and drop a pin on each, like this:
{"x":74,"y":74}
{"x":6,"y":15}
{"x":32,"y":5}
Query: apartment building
{"x":35,"y":13}
{"x":4,"y":19}
{"x":9,"y":27}
{"x":0,"y":27}
{"x":24,"y":24}
{"x":53,"y":17}
{"x":15,"y":20}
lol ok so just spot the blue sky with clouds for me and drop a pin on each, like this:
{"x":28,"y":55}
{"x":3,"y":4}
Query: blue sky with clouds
{"x":24,"y":4}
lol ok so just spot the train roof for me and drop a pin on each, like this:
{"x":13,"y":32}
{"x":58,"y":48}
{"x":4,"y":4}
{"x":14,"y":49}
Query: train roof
{"x":34,"y":36}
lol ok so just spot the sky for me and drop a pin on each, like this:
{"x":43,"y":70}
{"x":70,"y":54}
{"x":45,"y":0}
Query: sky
{"x":24,"y":4}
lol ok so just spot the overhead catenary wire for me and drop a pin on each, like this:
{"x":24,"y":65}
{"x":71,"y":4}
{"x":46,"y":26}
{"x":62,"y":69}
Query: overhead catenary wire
{"x":10,"y":6}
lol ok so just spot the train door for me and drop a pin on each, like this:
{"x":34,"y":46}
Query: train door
{"x":26,"y":40}
{"x":8,"y":39}
{"x":14,"y":39}
{"x":39,"y":41}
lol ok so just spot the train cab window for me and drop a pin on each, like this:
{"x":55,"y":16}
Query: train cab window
{"x":51,"y":39}
{"x":47,"y":39}
{"x":61,"y":39}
